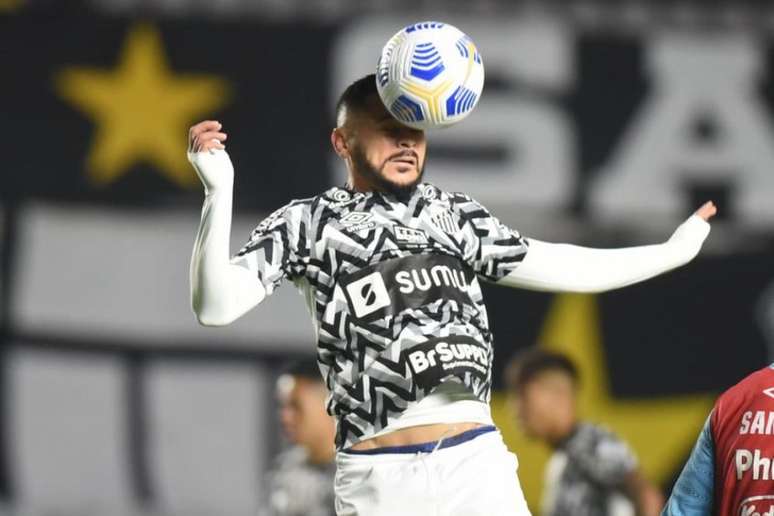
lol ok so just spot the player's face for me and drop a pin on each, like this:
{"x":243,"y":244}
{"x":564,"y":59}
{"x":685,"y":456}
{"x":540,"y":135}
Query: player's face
{"x":302,"y":410}
{"x":385,"y":153}
{"x":545,"y":407}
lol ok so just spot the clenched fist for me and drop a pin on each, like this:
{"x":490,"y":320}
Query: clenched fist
{"x":206,"y":136}
{"x":707,"y":210}
{"x":207,"y":154}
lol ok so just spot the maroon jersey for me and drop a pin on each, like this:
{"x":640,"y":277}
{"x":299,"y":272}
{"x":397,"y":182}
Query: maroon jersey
{"x":742,"y":427}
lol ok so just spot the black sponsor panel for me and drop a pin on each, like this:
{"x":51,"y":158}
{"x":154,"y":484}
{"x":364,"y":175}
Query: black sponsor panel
{"x":436,"y":359}
{"x":392,"y":286}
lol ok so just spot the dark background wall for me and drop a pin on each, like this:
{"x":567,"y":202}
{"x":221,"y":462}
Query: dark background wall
{"x":599,"y":125}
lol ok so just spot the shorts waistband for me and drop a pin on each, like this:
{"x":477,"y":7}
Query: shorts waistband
{"x":428,"y":447}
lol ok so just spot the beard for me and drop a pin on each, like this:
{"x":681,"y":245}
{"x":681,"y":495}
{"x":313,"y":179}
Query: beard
{"x":376,"y":176}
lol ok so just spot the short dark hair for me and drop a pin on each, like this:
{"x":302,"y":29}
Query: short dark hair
{"x":355,"y":97}
{"x":306,"y":368}
{"x":527,"y":364}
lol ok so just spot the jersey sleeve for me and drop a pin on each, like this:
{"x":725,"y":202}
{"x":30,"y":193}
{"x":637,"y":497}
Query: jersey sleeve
{"x":694,"y":491}
{"x":602,"y":456}
{"x":493,"y":249}
{"x":278,"y":248}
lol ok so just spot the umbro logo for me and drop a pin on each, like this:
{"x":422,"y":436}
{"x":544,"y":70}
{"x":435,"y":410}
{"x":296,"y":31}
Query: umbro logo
{"x":355,"y":217}
{"x":769,"y":392}
{"x":357,"y":221}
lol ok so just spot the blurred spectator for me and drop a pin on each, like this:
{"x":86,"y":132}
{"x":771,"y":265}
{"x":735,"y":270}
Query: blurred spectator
{"x":301,"y":481}
{"x":591,"y":472}
{"x":730,"y":468}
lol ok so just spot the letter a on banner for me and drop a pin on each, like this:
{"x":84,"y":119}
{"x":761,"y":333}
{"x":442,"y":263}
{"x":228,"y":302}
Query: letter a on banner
{"x":659,"y":158}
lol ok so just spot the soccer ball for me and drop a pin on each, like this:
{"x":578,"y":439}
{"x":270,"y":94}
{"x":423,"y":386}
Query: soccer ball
{"x":430,"y":75}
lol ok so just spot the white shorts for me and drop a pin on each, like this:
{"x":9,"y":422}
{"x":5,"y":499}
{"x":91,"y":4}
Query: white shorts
{"x":474,"y":478}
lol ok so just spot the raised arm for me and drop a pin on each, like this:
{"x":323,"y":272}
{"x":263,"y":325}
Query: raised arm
{"x":220,"y":290}
{"x":569,"y":268}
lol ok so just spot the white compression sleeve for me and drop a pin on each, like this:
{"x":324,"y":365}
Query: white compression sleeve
{"x":220,"y":291}
{"x":569,"y":268}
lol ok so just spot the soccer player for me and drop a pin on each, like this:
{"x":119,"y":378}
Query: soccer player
{"x":731,"y":468}
{"x":390,"y":267}
{"x":591,"y":472}
{"x":301,"y":481}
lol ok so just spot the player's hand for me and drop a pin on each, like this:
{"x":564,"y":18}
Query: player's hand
{"x":707,"y":211}
{"x":207,"y":154}
{"x":206,"y":136}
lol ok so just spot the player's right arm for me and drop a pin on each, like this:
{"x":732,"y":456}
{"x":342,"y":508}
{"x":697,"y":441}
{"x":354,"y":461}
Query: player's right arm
{"x":221,"y":291}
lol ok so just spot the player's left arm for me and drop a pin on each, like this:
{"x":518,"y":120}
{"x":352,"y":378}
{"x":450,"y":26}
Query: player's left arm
{"x":570,"y":268}
{"x":694,"y":492}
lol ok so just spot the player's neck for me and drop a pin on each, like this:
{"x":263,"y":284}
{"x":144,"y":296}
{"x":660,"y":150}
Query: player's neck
{"x":360,"y":183}
{"x":358,"y":186}
{"x":363,"y":183}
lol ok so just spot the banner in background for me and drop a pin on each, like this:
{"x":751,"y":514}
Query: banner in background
{"x":583,"y":137}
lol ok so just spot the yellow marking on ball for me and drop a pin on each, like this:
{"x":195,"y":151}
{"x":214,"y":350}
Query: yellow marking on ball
{"x":471,"y":60}
{"x":431,"y":97}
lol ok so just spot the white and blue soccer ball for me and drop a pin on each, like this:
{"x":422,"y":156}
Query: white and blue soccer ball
{"x":430,"y":75}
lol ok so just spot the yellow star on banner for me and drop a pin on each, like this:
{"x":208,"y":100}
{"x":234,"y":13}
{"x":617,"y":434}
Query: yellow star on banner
{"x":10,"y":5}
{"x":142,"y":109}
{"x":660,"y":431}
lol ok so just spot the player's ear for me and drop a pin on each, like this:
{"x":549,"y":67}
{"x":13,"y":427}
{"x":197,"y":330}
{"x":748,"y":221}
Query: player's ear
{"x":339,"y":142}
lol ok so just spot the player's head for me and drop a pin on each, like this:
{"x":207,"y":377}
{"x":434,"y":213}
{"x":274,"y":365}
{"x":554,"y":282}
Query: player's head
{"x":380,"y":152}
{"x":301,"y":394}
{"x":542,"y":391}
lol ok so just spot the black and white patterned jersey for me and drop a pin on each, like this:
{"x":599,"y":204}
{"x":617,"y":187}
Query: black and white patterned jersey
{"x":586,"y":475}
{"x":392,"y":284}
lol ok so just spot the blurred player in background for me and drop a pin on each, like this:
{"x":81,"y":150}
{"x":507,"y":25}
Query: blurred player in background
{"x":389,"y":266}
{"x":301,"y":481}
{"x":731,"y":468}
{"x":591,"y":472}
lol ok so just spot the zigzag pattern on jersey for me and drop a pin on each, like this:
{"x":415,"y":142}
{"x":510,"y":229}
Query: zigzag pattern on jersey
{"x":382,"y":391}
{"x":364,"y":363}
{"x":382,"y":400}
